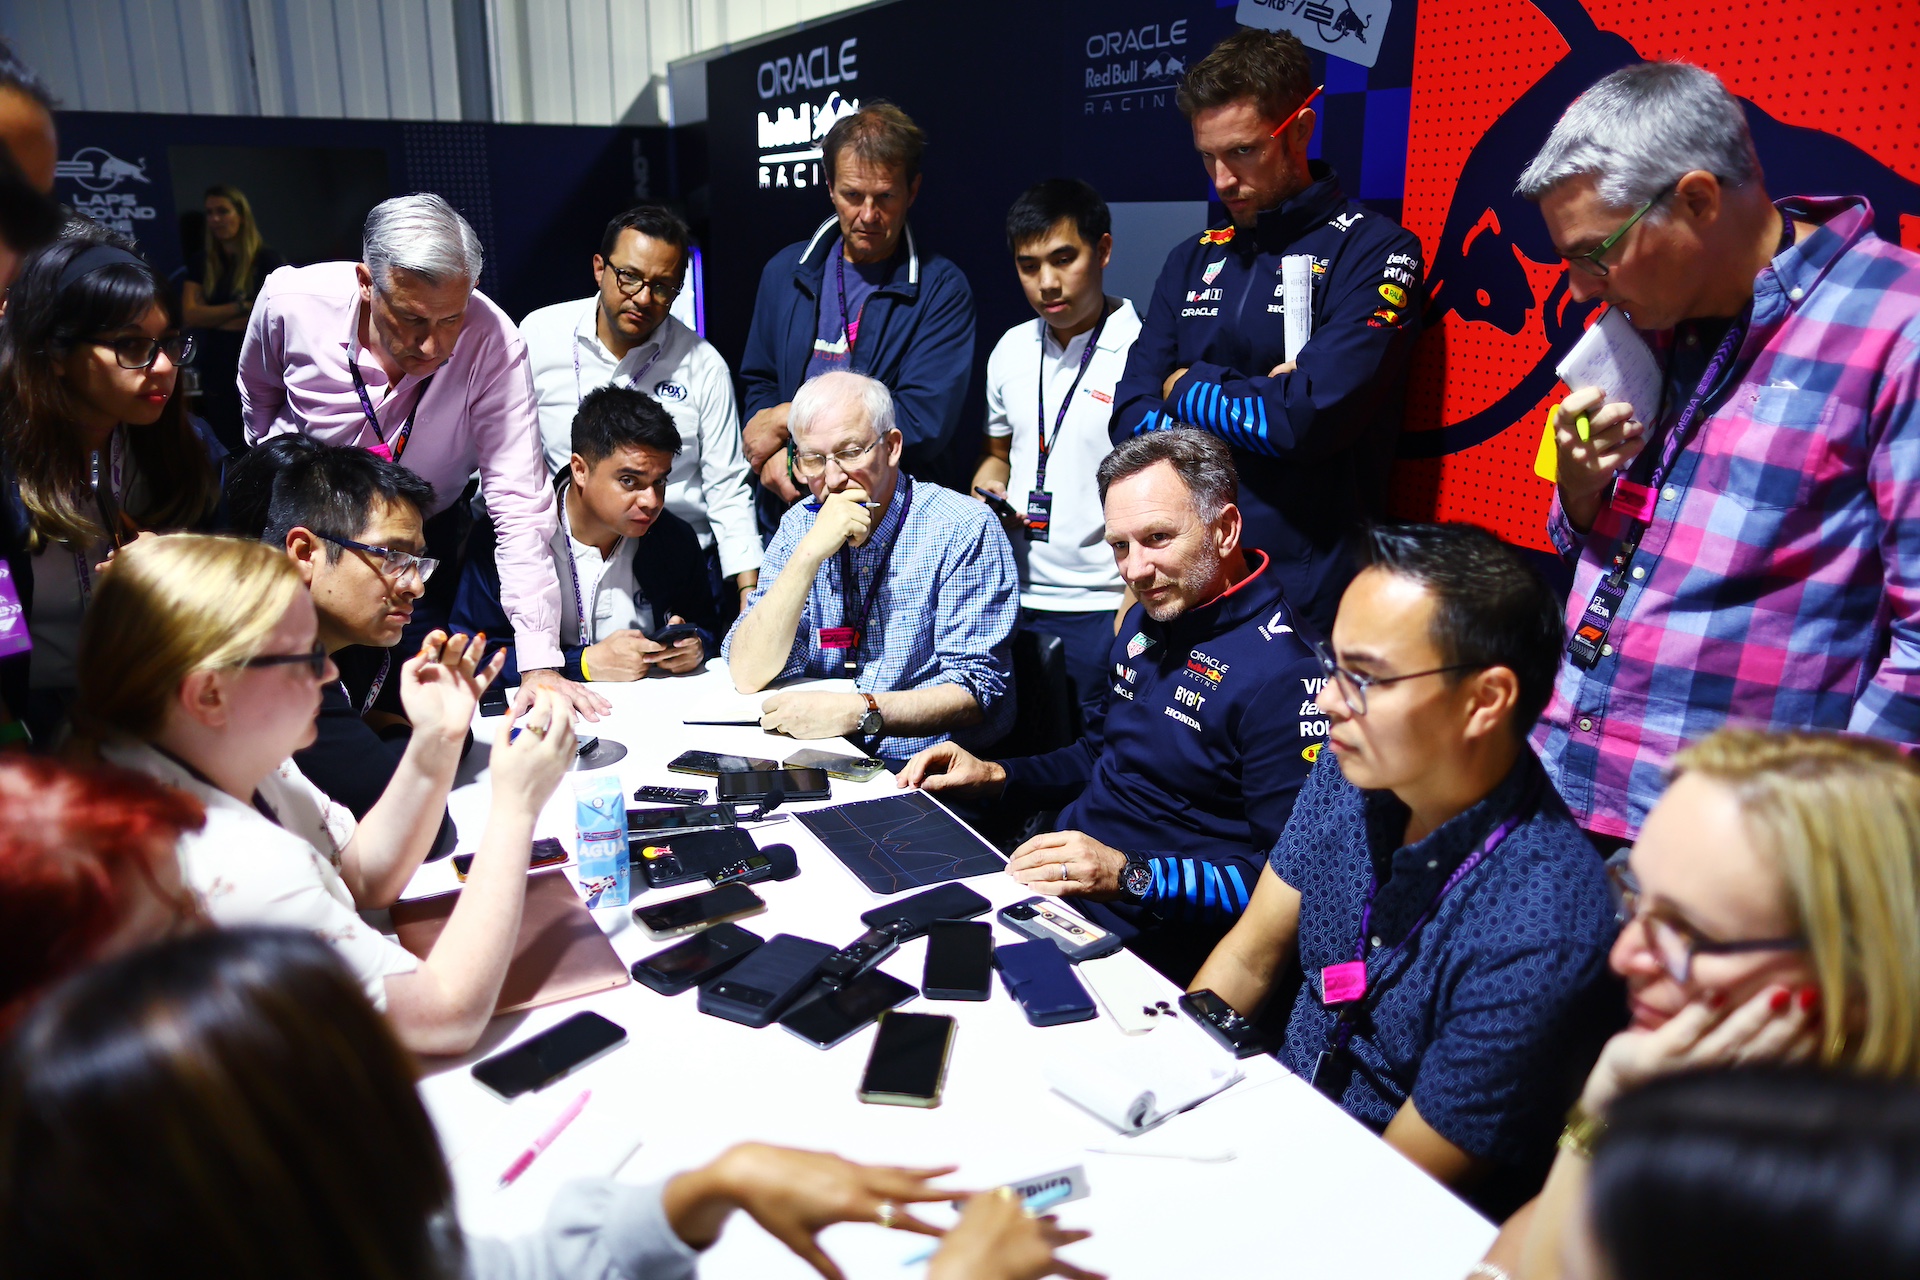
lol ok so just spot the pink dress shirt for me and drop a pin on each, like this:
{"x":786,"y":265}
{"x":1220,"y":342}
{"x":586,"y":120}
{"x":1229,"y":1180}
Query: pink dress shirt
{"x":479,"y":413}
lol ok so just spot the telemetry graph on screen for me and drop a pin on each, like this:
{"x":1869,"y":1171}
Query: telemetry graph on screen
{"x":902,"y":842}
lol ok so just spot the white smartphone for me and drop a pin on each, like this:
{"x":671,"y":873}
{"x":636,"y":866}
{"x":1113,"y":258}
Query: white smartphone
{"x":1134,"y":996}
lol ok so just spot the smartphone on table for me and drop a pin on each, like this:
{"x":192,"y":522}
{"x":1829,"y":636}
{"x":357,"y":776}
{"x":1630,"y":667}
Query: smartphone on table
{"x":698,"y":911}
{"x":837,"y":1013}
{"x":850,"y":768}
{"x":546,"y":853}
{"x":959,"y":962}
{"x":760,"y":988}
{"x":552,"y":1055}
{"x":1044,"y":919}
{"x":908,"y":1064}
{"x":911,"y":917}
{"x":712,"y":764}
{"x":767,"y":784}
{"x":705,"y":955}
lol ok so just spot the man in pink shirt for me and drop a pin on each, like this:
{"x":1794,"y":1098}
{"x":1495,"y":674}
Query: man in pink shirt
{"x":401,"y":355}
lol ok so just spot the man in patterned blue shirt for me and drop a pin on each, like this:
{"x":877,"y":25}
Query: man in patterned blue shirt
{"x":906,"y":588}
{"x":1449,"y":921}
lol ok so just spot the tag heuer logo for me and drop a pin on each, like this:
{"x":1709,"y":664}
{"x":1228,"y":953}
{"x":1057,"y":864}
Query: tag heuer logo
{"x":1138,"y":645}
{"x":1213,"y":269}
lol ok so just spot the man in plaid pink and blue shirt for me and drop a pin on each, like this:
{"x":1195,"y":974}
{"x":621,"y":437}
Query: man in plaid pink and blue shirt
{"x":1751,"y":554}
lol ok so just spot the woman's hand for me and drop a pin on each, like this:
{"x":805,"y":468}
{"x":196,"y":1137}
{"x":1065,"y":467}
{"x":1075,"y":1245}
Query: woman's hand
{"x":528,"y":765}
{"x":1778,"y":1024}
{"x":440,"y":686}
{"x":997,"y":1239}
{"x":795,"y":1195}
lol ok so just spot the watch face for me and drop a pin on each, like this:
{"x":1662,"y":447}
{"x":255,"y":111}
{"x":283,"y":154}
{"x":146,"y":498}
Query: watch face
{"x":870,"y":723}
{"x":1139,"y":879}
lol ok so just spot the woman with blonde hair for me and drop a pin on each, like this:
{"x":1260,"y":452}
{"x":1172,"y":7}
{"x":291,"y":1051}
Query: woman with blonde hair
{"x":1770,"y":913}
{"x":223,"y":279}
{"x":200,"y":664}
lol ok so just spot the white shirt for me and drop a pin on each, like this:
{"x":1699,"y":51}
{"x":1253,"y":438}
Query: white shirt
{"x":606,"y":587}
{"x":676,"y":366}
{"x":1073,"y":571}
{"x":247,"y":870}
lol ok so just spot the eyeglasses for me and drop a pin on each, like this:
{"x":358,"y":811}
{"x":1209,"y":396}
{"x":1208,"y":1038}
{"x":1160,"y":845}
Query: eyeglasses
{"x":393,"y":564}
{"x":1295,"y":115}
{"x":632,"y":282}
{"x":1675,"y":944}
{"x":140,"y":352}
{"x":814,"y":465}
{"x":1589,"y":261}
{"x":315,"y":660}
{"x":1354,"y":686}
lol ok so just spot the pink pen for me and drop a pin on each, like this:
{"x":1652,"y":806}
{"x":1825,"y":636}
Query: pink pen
{"x":545,"y":1140}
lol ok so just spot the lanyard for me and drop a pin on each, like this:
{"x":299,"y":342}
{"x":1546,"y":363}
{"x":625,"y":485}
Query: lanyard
{"x":1347,"y":984}
{"x":379,"y":682}
{"x":107,"y":498}
{"x":399,"y":445}
{"x":853,"y":626}
{"x":634,"y":381}
{"x":849,"y":325}
{"x":264,"y":809}
{"x":1059,"y":420}
{"x":573,"y":563}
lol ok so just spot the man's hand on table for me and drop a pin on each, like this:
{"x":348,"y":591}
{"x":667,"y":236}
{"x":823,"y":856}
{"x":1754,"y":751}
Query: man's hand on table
{"x":798,"y":714}
{"x":954,"y":771}
{"x":1068,"y":864}
{"x":586,"y":704}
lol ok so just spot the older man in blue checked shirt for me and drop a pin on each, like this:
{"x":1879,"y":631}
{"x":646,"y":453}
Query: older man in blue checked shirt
{"x":904,"y":587}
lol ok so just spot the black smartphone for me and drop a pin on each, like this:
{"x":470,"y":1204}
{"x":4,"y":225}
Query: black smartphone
{"x":697,"y":911}
{"x":911,"y":917}
{"x":710,"y":764}
{"x":766,"y":784}
{"x":672,"y":634}
{"x":999,"y":505}
{"x":687,"y":964}
{"x":683,"y":818}
{"x":908,"y":1064}
{"x":1218,"y":1019}
{"x":839,"y":1012}
{"x":549,"y":1056}
{"x":762,"y":986}
{"x":959,"y":962}
{"x":670,"y":795}
{"x":546,"y":853}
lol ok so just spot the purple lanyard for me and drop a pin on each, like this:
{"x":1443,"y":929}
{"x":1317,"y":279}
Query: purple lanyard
{"x":849,"y":325}
{"x":1347,"y":984}
{"x":573,"y":563}
{"x":849,"y":582}
{"x":1059,"y":420}
{"x":379,"y":682}
{"x":399,"y":444}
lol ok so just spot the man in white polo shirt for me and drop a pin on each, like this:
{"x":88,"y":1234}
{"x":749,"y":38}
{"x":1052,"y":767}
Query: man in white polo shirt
{"x":624,"y":335}
{"x":1049,"y":396}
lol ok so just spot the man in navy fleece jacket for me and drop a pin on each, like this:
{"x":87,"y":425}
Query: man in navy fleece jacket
{"x":1179,"y":788}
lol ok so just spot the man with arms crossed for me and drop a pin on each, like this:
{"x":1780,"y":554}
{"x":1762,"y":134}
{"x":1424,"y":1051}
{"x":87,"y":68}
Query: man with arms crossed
{"x":401,"y":355}
{"x":1449,"y":922}
{"x":907,"y":588}
{"x":1176,"y":792}
{"x":623,"y":336}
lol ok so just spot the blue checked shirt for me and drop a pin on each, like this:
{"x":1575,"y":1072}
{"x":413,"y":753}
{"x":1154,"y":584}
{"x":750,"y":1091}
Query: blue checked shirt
{"x":945,"y":612}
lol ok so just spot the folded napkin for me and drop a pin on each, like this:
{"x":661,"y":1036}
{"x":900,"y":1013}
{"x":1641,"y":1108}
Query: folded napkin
{"x":1137,"y":1085}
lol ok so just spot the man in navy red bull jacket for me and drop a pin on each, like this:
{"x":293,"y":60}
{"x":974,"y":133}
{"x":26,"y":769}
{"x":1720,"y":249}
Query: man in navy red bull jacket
{"x":1312,"y":430}
{"x":1179,"y":788}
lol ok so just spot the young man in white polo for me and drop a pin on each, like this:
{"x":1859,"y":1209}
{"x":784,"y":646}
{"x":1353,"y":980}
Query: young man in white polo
{"x":1049,"y":397}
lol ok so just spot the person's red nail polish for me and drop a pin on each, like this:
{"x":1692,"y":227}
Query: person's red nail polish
{"x":1717,"y":1000}
{"x":1780,"y":999}
{"x":1809,"y":999}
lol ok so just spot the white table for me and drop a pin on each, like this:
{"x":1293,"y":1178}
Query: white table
{"x":1291,"y":1186}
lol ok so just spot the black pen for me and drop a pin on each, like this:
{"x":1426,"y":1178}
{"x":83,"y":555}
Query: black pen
{"x":736,"y":724}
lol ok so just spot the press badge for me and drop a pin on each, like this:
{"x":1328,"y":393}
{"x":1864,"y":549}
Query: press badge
{"x":1039,"y":515}
{"x":839,"y":637}
{"x":1343,"y":983}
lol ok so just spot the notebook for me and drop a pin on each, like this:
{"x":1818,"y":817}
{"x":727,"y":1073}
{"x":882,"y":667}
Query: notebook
{"x":562,"y":952}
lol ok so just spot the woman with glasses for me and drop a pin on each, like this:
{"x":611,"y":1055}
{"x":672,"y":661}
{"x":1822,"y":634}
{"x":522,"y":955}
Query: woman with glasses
{"x":95,"y":447}
{"x":1770,"y":913}
{"x":200,"y":664}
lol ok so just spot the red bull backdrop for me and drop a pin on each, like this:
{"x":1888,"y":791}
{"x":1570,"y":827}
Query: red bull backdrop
{"x":1830,"y":95}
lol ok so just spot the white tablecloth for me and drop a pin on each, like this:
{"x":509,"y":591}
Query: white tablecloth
{"x":1268,"y":1179}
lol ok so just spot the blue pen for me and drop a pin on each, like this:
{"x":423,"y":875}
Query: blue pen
{"x":815,"y":506}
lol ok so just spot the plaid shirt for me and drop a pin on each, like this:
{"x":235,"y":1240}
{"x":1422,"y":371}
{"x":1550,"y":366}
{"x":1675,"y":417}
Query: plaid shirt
{"x":944,"y":615}
{"x":1779,"y":583}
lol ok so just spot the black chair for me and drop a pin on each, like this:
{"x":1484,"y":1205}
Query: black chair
{"x":1047,"y":715}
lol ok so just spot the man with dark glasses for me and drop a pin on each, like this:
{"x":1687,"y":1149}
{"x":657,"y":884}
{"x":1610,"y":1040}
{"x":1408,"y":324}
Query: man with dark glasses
{"x":1312,"y":419}
{"x":1444,"y":921}
{"x":354,"y":525}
